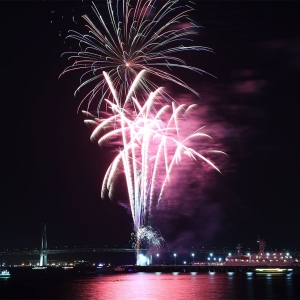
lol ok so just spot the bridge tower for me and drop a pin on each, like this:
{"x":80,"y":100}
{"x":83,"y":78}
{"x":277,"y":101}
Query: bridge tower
{"x":43,"y":252}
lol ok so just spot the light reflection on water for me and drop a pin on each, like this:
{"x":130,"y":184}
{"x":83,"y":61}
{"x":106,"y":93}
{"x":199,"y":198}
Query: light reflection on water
{"x":186,"y":286}
{"x":150,"y":286}
{"x":154,"y":286}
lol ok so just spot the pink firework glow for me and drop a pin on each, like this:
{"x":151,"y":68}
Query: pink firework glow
{"x":150,"y":145}
{"x":149,"y":128}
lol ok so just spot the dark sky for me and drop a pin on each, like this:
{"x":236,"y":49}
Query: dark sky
{"x":52,"y":173}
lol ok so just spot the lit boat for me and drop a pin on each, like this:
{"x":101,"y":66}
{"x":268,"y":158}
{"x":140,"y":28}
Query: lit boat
{"x":39,"y":268}
{"x":119,"y":269}
{"x":102,"y":269}
{"x":67,"y":267}
{"x":261,"y":259}
{"x":273,"y":270}
{"x":4,"y":274}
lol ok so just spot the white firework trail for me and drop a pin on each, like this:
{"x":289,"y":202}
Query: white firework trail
{"x":150,"y":144}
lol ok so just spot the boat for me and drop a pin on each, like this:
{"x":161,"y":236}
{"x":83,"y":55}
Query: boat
{"x":273,"y":270}
{"x":4,"y":274}
{"x":104,"y":270}
{"x":119,"y":269}
{"x":261,"y":259}
{"x":39,"y":268}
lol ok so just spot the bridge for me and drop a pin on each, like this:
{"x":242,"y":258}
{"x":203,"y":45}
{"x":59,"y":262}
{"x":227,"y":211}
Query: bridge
{"x":68,"y":250}
{"x":44,"y":251}
{"x":121,"y":250}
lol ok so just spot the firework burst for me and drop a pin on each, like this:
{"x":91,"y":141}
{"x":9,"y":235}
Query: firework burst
{"x":135,"y":38}
{"x":146,"y":127}
{"x":150,"y":144}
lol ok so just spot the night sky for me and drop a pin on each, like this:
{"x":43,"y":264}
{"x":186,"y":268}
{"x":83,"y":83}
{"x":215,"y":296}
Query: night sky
{"x":52,"y":172}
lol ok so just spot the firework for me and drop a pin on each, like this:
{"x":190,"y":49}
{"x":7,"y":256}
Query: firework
{"x":150,"y":143}
{"x":135,"y":38}
{"x":146,"y":127}
{"x":147,"y":235}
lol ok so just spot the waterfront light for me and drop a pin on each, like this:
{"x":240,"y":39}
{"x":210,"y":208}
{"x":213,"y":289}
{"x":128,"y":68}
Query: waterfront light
{"x":211,"y":254}
{"x":229,"y":254}
{"x":208,"y":258}
{"x":157,"y":255}
{"x":141,"y":260}
{"x":175,"y":255}
{"x":220,"y":258}
{"x":193,"y":255}
{"x":184,"y":262}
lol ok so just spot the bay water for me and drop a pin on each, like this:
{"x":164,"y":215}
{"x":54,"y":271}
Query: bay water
{"x":152,"y":286}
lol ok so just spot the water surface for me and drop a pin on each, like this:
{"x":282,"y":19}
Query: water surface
{"x":154,"y":286}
